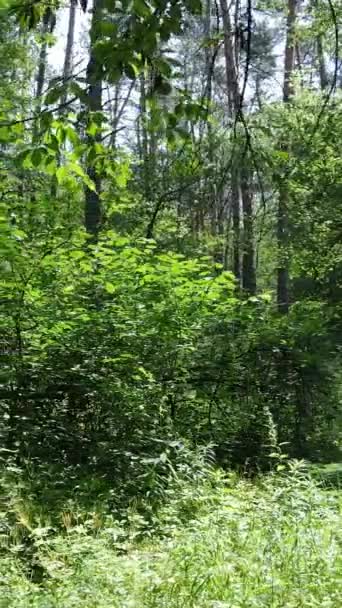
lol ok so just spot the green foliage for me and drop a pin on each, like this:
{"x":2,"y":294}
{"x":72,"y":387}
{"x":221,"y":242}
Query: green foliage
{"x":111,"y":347}
{"x":119,"y":349}
{"x":217,"y":541}
{"x":133,"y":363}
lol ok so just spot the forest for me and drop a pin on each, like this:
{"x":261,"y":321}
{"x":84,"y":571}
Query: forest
{"x":170,"y":303}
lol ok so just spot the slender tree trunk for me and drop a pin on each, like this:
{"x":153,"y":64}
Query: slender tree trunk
{"x":233,"y":107}
{"x":258,"y":92}
{"x":290,"y":49}
{"x":235,"y":194}
{"x":283,"y":220}
{"x":40,"y":79}
{"x":299,"y":65}
{"x":144,"y":152}
{"x":248,"y":256}
{"x":230,"y":63}
{"x":323,"y":75}
{"x":68,"y":63}
{"x":208,"y":59}
{"x":210,"y":189}
{"x":94,"y":81}
{"x":322,"y":68}
{"x":240,"y":187}
{"x":67,"y":72}
{"x":115,"y":113}
{"x":48,"y":23}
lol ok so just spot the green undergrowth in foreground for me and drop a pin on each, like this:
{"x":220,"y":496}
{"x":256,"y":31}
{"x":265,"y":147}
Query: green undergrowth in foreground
{"x":216,"y":542}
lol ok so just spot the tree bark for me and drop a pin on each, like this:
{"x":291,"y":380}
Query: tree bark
{"x":323,"y":75}
{"x":283,"y":219}
{"x":248,"y":256}
{"x":322,"y":68}
{"x":94,"y":81}
{"x":68,"y":63}
{"x":67,"y":72}
{"x":233,"y":107}
{"x":240,"y":186}
{"x":144,"y":153}
{"x":290,"y":50}
{"x":40,"y":80}
{"x":230,"y":61}
{"x":47,"y":27}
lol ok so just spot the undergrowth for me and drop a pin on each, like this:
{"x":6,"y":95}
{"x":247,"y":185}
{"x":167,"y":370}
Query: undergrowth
{"x":214,"y":541}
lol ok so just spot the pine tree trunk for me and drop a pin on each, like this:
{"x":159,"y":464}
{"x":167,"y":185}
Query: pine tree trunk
{"x":323,"y":76}
{"x":233,"y":107}
{"x":40,"y":80}
{"x":94,"y":81}
{"x":47,"y":26}
{"x":290,"y":49}
{"x":248,"y":256}
{"x":144,"y":152}
{"x":235,"y":193}
{"x":241,"y":191}
{"x":283,"y":220}
{"x":230,"y":61}
{"x":68,"y":64}
{"x":322,"y":68}
{"x":67,"y":72}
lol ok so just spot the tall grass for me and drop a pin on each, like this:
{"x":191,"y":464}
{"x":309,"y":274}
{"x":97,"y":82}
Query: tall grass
{"x":216,"y":542}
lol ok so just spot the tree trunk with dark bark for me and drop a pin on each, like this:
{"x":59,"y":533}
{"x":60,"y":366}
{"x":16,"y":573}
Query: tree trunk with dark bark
{"x":248,"y":255}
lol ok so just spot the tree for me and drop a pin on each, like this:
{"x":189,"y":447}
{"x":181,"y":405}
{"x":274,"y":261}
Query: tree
{"x":241,"y":180}
{"x":283,"y":204}
{"x":121,"y":327}
{"x":94,"y":102}
{"x":68,"y":63}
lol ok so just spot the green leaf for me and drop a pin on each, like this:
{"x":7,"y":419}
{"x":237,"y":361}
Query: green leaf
{"x":92,"y":129}
{"x":141,"y":9}
{"x":78,"y":92}
{"x":55,"y":94}
{"x":37,"y":156}
{"x":5,"y":134}
{"x":194,"y":6}
{"x":163,"y":67}
{"x":131,"y":71}
{"x":109,"y":287}
{"x":77,"y":169}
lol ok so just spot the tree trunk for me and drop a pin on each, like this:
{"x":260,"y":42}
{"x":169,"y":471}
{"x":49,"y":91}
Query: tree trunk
{"x":240,"y":187}
{"x":282,"y":219}
{"x":230,"y":61}
{"x":248,"y":255}
{"x":145,"y":151}
{"x":48,"y":23}
{"x":233,"y":107}
{"x":208,"y":58}
{"x":322,"y":68}
{"x":67,"y":72}
{"x":209,"y":185}
{"x":323,"y":76}
{"x":68,"y":64}
{"x":290,"y":49}
{"x":40,"y":80}
{"x":235,"y":190}
{"x":94,"y":81}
